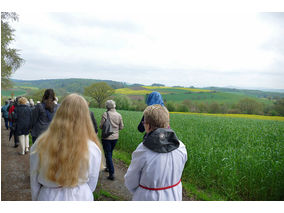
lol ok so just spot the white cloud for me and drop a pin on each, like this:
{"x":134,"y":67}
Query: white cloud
{"x":201,"y":49}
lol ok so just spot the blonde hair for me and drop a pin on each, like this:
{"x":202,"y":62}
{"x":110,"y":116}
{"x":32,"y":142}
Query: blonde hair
{"x":63,"y":147}
{"x":23,"y":100}
{"x":157,"y":116}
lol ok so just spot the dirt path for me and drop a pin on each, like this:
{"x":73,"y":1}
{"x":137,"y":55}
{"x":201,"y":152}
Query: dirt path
{"x":15,"y":177}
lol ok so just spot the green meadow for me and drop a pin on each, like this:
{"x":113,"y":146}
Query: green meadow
{"x":228,"y":158}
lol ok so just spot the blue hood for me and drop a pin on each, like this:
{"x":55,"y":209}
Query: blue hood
{"x":155,"y":98}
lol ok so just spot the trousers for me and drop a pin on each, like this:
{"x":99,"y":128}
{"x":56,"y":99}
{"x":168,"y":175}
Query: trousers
{"x":24,"y":143}
{"x":108,"y":146}
{"x":6,"y":123}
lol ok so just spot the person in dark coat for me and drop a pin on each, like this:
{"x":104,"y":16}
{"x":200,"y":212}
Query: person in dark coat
{"x":94,"y":122}
{"x":153,"y":98}
{"x":12,"y":122}
{"x":43,"y":114}
{"x":22,"y":114}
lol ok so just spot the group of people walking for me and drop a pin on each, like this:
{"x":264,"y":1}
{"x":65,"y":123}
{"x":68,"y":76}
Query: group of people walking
{"x":22,"y":118}
{"x":67,"y":156}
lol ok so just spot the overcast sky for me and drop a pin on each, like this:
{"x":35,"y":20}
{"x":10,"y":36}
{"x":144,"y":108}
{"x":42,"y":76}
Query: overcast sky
{"x":187,"y":49}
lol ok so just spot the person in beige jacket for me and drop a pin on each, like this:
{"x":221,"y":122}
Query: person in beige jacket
{"x":110,"y":141}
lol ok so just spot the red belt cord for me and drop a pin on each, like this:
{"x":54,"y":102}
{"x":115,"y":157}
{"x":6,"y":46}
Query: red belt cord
{"x":163,"y":188}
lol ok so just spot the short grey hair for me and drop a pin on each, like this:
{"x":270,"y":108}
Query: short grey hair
{"x":110,"y":104}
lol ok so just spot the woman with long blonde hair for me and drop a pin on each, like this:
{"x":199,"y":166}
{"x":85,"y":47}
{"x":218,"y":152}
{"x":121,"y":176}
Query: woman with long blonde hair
{"x":66,"y":159}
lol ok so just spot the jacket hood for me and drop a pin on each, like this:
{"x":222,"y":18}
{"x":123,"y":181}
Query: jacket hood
{"x":155,"y":98}
{"x":161,"y":140}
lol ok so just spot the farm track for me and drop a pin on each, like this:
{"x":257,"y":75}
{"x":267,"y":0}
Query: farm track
{"x":15,"y":176}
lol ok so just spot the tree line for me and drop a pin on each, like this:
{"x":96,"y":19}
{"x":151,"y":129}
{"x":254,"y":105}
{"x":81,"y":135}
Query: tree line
{"x":244,"y":106}
{"x":97,"y":93}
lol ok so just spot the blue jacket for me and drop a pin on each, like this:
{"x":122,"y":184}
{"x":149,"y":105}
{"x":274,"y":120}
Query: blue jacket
{"x":4,"y":110}
{"x":153,"y":98}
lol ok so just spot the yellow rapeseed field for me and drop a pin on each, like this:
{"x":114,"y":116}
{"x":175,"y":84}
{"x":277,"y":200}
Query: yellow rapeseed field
{"x":261,"y":117}
{"x":180,"y":88}
{"x":127,"y":91}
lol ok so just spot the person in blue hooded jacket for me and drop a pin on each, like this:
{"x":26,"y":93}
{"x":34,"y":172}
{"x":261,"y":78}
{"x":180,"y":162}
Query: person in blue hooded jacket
{"x":5,"y":112}
{"x":153,"y":98}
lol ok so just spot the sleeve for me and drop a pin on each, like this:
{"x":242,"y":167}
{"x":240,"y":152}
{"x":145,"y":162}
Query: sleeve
{"x":35,"y":185}
{"x":104,"y":117}
{"x":35,"y":115}
{"x":121,"y":125}
{"x":15,"y":114}
{"x":94,"y":122}
{"x":94,"y":168}
{"x":133,"y":174}
{"x":141,"y":127}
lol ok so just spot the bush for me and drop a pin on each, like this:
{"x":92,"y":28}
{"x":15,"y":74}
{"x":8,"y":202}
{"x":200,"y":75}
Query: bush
{"x":279,"y":106}
{"x":182,"y":108}
{"x":250,"y":106}
{"x":214,"y":108}
{"x":138,"y":105}
{"x":202,"y":107}
{"x":171,"y":106}
{"x":122,"y":102}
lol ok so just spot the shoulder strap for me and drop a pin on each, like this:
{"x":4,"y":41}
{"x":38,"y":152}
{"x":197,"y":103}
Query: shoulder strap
{"x":108,"y":118}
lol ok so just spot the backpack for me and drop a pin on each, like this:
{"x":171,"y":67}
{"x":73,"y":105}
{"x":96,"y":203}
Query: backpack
{"x":107,"y":128}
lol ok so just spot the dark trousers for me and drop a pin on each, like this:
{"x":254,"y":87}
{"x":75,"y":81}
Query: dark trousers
{"x":6,"y":123}
{"x":16,"y":139}
{"x":108,"y":146}
{"x":34,"y":139}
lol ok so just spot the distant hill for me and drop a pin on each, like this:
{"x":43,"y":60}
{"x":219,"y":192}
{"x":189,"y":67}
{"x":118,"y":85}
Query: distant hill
{"x":208,"y":95}
{"x":68,"y":85}
{"x":251,"y":93}
{"x":138,"y":91}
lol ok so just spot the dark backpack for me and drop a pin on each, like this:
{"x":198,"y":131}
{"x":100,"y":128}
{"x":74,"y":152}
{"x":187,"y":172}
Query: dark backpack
{"x":107,"y":128}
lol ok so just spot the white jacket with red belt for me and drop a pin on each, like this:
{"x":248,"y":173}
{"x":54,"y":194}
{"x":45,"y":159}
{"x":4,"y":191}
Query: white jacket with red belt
{"x":156,"y":168}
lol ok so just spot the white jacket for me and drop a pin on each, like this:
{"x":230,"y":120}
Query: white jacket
{"x":156,"y":170}
{"x":43,"y":189}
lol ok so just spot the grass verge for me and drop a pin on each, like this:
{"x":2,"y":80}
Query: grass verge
{"x":105,"y":195}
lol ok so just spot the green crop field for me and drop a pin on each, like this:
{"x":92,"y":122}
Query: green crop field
{"x":196,"y":95}
{"x":234,"y":158}
{"x":15,"y":91}
{"x":208,"y":97}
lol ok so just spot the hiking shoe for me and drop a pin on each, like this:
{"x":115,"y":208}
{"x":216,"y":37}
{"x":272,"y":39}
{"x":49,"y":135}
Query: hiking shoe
{"x":16,"y":145}
{"x":111,"y":177}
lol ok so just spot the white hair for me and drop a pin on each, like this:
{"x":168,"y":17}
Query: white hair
{"x":110,"y":104}
{"x":32,"y":102}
